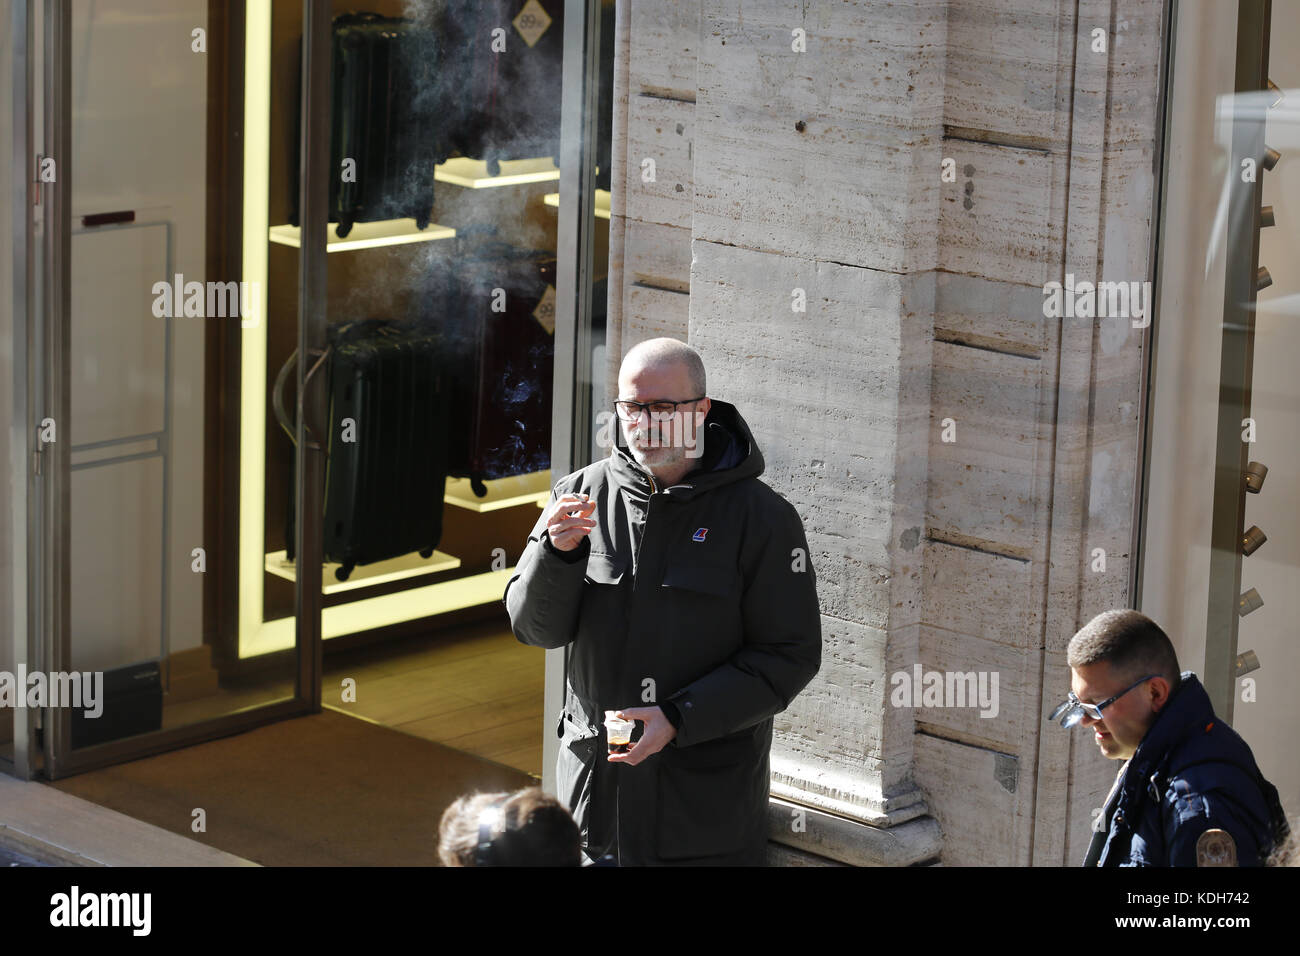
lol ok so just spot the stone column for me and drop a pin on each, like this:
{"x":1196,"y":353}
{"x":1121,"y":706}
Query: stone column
{"x":816,"y":180}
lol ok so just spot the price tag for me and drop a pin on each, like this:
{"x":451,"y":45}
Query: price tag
{"x":532,"y":22}
{"x":545,"y":311}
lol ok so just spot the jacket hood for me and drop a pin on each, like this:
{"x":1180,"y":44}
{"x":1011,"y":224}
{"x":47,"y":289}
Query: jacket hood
{"x":730,"y":453}
{"x":1187,"y":704}
{"x":1187,"y":717}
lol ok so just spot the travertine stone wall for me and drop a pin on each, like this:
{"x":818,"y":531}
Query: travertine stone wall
{"x":650,"y":221}
{"x":776,"y":171}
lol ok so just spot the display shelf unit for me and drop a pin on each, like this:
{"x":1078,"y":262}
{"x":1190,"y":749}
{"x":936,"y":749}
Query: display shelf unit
{"x":502,"y":492}
{"x":473,"y":173}
{"x":533,"y":488}
{"x":602,"y":202}
{"x":368,"y":235}
{"x":366,"y":575}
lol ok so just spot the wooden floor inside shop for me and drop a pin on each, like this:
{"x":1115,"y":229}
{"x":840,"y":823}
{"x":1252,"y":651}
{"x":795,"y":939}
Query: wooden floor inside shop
{"x":478,"y":690}
{"x":474,"y":688}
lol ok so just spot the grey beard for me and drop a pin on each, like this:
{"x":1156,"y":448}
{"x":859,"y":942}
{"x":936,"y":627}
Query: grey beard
{"x":665,"y":455}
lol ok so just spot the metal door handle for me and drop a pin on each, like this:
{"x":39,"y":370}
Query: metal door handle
{"x":277,"y":395}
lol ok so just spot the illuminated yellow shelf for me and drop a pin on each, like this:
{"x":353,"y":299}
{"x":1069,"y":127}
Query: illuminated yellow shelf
{"x":368,"y":235}
{"x":365,"y":575}
{"x":602,"y":202}
{"x":502,"y":492}
{"x":368,"y":614}
{"x":473,"y":174}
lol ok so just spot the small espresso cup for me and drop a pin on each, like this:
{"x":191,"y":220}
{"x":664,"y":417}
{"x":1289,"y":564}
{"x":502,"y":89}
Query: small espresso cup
{"x":619,"y":732}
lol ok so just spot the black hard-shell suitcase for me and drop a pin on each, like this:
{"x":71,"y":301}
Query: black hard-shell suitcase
{"x":384,"y":488}
{"x":386,"y":469}
{"x":501,"y":407}
{"x":386,"y":115}
{"x":510,"y":108}
{"x":510,"y":100}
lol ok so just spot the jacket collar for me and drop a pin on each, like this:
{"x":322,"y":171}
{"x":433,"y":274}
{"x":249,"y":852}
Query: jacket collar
{"x":730,"y":453}
{"x":1187,"y":708}
{"x":1187,"y":711}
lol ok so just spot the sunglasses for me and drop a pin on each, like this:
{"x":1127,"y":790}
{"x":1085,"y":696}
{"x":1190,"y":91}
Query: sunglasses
{"x":1072,"y":710}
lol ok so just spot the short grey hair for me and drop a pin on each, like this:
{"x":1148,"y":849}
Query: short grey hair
{"x":665,"y":351}
{"x":1133,"y":644}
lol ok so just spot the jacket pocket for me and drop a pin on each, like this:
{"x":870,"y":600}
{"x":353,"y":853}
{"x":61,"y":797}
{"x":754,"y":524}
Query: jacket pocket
{"x":575,"y":769}
{"x":713,"y":579}
{"x":605,"y":568}
{"x":700,"y":618}
{"x":703,"y":811}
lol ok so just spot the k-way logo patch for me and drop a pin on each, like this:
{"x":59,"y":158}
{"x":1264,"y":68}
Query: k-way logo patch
{"x":699,"y":534}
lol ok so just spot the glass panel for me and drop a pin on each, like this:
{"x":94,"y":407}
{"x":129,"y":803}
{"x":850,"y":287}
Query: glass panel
{"x":184,"y":265}
{"x":1270,"y":721}
{"x":8,"y":540}
{"x":1225,"y":347}
{"x":442,"y":260}
{"x":162,"y":329}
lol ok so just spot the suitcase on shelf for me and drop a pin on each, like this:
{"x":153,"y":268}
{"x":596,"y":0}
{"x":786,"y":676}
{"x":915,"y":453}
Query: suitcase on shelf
{"x":503,"y":358}
{"x":384,"y":488}
{"x":387,"y":113}
{"x":510,"y":100}
{"x":387,"y":443}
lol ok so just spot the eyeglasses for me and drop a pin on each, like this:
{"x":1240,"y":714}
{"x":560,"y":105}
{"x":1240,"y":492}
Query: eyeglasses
{"x":1072,"y":710}
{"x":631,"y":411}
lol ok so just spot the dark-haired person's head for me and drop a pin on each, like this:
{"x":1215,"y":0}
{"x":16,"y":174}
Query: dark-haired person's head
{"x":1122,"y":661}
{"x":525,"y":828}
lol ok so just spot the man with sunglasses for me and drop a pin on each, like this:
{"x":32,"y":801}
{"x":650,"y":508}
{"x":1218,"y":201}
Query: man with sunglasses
{"x":1189,"y":791}
{"x":683,"y":585}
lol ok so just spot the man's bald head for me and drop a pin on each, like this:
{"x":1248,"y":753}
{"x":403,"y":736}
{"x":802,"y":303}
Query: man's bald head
{"x":663,"y":352}
{"x":666,"y":441}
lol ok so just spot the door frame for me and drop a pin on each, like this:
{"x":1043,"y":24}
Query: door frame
{"x":1236,"y":362}
{"x":41,"y":595}
{"x":48,"y":588}
{"x":25,"y":541}
{"x":1222,"y":577}
{"x":571,"y":389}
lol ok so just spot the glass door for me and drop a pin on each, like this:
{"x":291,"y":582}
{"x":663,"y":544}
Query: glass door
{"x":17,"y":260}
{"x":152,"y":417}
{"x":1220,"y":552}
{"x":185,"y":418}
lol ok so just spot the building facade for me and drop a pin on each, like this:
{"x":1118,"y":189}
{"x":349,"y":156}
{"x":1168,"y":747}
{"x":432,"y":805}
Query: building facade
{"x":982,"y":276}
{"x":969,"y":468}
